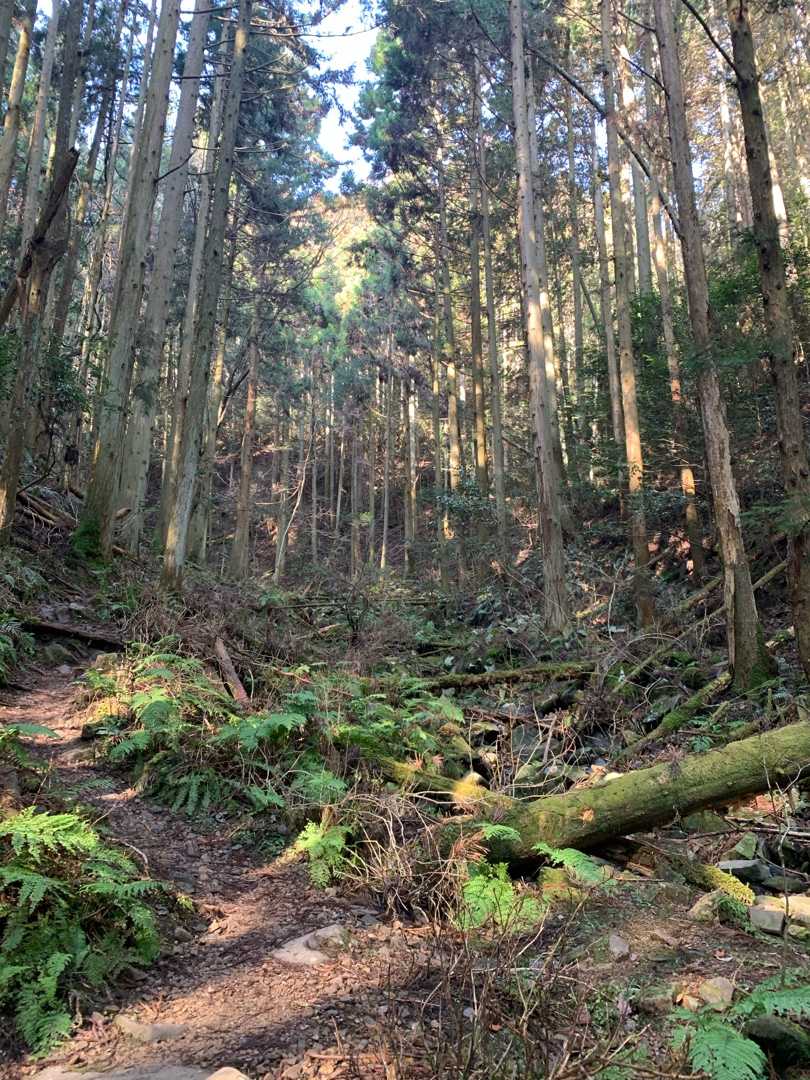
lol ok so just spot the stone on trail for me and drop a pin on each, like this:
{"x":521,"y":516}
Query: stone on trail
{"x":618,"y":947}
{"x":149,"y":1033}
{"x":752,"y":871}
{"x":227,"y":1074}
{"x":705,"y":908}
{"x":717,"y":993}
{"x":308,"y":949}
{"x":770,"y":918}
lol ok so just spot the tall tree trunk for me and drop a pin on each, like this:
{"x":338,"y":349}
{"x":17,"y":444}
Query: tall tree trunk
{"x":62,"y":307}
{"x":11,"y":121}
{"x":632,"y":431}
{"x":389,"y":434}
{"x":781,"y":343}
{"x":205,"y":318}
{"x":6,"y":16}
{"x":145,"y":390}
{"x":614,"y":384}
{"x":50,"y":239}
{"x":542,"y":374}
{"x":747,"y":654}
{"x":410,"y":478}
{"x":37,"y":141}
{"x":551,"y":358}
{"x":95,"y":532}
{"x":282,"y":505}
{"x":172,"y":464}
{"x":240,"y":551}
{"x":691,"y":514}
{"x":577,"y":389}
{"x":498,"y":471}
{"x":477,"y":344}
{"x":642,"y":227}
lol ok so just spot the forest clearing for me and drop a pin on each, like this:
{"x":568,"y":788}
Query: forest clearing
{"x":404,"y":540}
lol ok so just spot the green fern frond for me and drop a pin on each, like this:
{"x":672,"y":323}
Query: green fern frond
{"x":719,"y":1050}
{"x":580,"y":867}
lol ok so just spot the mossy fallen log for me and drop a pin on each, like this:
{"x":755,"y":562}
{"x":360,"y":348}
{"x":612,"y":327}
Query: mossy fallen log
{"x":679,"y":716}
{"x":637,"y":801}
{"x":557,"y":669}
{"x":645,"y":798}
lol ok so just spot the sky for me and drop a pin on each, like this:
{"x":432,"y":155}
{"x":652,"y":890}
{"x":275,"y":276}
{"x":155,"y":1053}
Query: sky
{"x":345,"y":38}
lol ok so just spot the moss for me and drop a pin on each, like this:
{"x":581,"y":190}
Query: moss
{"x":712,"y":879}
{"x":86,"y":540}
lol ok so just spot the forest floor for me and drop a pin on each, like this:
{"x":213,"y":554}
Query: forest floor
{"x":375,"y":1007}
{"x":601,"y":981}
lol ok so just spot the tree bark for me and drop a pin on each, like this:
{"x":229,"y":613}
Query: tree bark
{"x":632,"y":431}
{"x":542,"y":376}
{"x":747,"y":655}
{"x":37,"y":141}
{"x":205,"y":319}
{"x":94,"y":534}
{"x":11,"y":121}
{"x":498,"y":470}
{"x":172,"y":463}
{"x":145,"y":389}
{"x":476,"y":336}
{"x":240,"y":551}
{"x":781,"y":343}
{"x":645,"y":798}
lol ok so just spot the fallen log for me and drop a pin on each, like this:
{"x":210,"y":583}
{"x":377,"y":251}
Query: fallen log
{"x":645,"y":798}
{"x":232,"y":680}
{"x":563,"y":669}
{"x":677,"y":717}
{"x":585,"y":817}
{"x":627,"y":683}
{"x":84,"y":633}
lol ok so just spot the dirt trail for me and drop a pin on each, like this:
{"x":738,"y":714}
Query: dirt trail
{"x":235,"y":1003}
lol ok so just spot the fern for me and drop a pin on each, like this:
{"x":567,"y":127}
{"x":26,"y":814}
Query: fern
{"x":35,"y":834}
{"x":582,"y":869}
{"x":325,"y":847}
{"x":719,"y":1050}
{"x":781,"y":995}
{"x":500,"y":832}
{"x":72,"y":914}
{"x":490,"y":897}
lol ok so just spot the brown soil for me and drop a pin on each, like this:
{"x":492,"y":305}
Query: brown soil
{"x":239,"y":1006}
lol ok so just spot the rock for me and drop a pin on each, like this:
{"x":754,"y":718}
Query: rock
{"x":767,"y":917}
{"x":752,"y":871}
{"x":747,"y":847}
{"x":54,"y":653}
{"x":308,"y":949}
{"x":785,"y":1043}
{"x":181,"y":934}
{"x":657,"y":1001}
{"x":800,"y":933}
{"x":704,"y":821}
{"x":717,"y":992}
{"x":618,"y":947}
{"x":149,"y":1033}
{"x":798,"y":909}
{"x":705,"y":908}
{"x":228,"y":1074}
{"x":65,"y":669}
{"x":780,"y":883}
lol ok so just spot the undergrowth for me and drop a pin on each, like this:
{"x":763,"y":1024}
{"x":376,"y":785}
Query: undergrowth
{"x":162,"y":716}
{"x":73,"y":914}
{"x":719,"y":1046}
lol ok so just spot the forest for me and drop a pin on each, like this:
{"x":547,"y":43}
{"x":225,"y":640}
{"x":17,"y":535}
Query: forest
{"x":404,"y":540}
